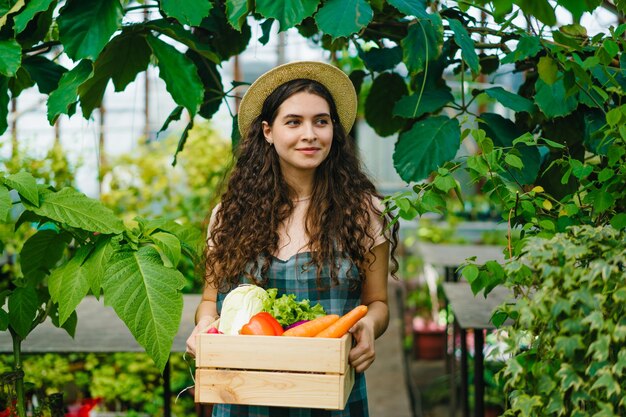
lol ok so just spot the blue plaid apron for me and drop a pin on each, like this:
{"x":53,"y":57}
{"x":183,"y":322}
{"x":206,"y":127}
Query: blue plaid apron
{"x":292,"y":276}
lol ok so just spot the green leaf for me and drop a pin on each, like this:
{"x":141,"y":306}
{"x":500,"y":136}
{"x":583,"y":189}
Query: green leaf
{"x":23,"y":305}
{"x":10,"y":57}
{"x":430,"y":101}
{"x":63,"y":99}
{"x":513,"y":101}
{"x":548,"y":70}
{"x":382,"y":59}
{"x":77,"y":210}
{"x":287,"y":12}
{"x":415,"y":8}
{"x":266,"y":29}
{"x":212,"y":82}
{"x":206,"y":49}
{"x":421,"y":44}
{"x":170,"y":246}
{"x":425,"y":147}
{"x":96,"y":263}
{"x":387,"y":88}
{"x":619,"y":221}
{"x":470,"y":272}
{"x":514,"y":161}
{"x":236,"y":11}
{"x":445,"y":183}
{"x":527,"y":47}
{"x":462,"y":38}
{"x":569,"y":344}
{"x":28,"y":13}
{"x":122,"y":59}
{"x":25,"y":184}
{"x":180,"y":75}
{"x":41,"y":252}
{"x":8,"y":8}
{"x":540,"y":9}
{"x":339,"y":18}
{"x":5,"y":203}
{"x":552,"y":99}
{"x":146,"y":296}
{"x":20,"y":82}
{"x":189,"y":12}
{"x":69,"y":284}
{"x":4,"y":320}
{"x":569,"y":377}
{"x":174,"y":115}
{"x":44,"y":72}
{"x":602,"y":201}
{"x":85,"y":26}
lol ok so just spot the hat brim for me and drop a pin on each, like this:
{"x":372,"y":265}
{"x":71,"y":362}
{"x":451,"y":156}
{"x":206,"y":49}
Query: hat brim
{"x":335,"y":81}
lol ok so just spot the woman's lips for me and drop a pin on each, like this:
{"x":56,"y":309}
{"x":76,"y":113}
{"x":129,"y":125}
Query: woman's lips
{"x":308,"y":151}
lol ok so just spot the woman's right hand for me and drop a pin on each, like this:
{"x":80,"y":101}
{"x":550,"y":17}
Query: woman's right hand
{"x":203,"y":325}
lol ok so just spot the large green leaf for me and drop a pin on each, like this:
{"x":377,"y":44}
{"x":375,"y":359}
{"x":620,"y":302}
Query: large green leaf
{"x":169,"y":245}
{"x":386,"y":90}
{"x":25,"y":184}
{"x":579,"y":7}
{"x":462,"y":38}
{"x":41,"y":252}
{"x":85,"y":26}
{"x":222,"y":37}
{"x":343,"y":17}
{"x":180,"y":75}
{"x":188,"y":12}
{"x":5,"y":203}
{"x":8,"y":8}
{"x":421,"y":44}
{"x":75,"y":209}
{"x":540,"y":9}
{"x":429,"y":144}
{"x":26,"y":15}
{"x":510,"y":100}
{"x":69,"y":325}
{"x":415,"y":105}
{"x":44,"y":72}
{"x":63,"y":99}
{"x":527,"y":47}
{"x":4,"y":103}
{"x":187,"y":38}
{"x":96,"y":263}
{"x":10,"y":57}
{"x":20,"y":82}
{"x":123,"y":58}
{"x":69,"y":284}
{"x":381,"y":59}
{"x":288,"y":12}
{"x":415,"y":8}
{"x":552,"y":99}
{"x":236,"y":10}
{"x":23,"y":305}
{"x":212,"y":82}
{"x":146,"y":296}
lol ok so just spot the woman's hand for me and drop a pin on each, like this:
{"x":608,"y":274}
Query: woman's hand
{"x":362,"y":355}
{"x":203,"y":325}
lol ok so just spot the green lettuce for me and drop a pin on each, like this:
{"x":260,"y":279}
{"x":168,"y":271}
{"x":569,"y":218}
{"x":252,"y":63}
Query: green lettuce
{"x":288,"y":311}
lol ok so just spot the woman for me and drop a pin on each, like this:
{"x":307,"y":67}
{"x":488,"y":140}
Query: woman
{"x":300,"y":215}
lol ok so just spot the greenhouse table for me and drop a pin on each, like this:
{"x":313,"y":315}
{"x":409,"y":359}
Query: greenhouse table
{"x":100,"y":330}
{"x":473,"y":313}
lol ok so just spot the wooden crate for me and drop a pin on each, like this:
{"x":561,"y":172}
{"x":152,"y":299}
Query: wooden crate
{"x":273,"y":370}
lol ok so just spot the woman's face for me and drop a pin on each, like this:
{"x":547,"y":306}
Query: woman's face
{"x":302,"y":132}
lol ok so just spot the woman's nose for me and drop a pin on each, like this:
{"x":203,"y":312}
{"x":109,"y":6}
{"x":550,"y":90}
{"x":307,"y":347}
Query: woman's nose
{"x":309,"y":132}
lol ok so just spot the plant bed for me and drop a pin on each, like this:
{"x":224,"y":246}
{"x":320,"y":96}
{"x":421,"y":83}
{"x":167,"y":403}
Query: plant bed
{"x":273,"y":371}
{"x":429,"y":339}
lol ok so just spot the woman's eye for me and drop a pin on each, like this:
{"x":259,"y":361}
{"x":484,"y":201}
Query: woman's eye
{"x":322,"y":122}
{"x":292,"y":122}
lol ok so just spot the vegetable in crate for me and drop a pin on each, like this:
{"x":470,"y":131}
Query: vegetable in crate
{"x":287,"y":310}
{"x":262,"y":324}
{"x":313,"y":327}
{"x":239,"y":306}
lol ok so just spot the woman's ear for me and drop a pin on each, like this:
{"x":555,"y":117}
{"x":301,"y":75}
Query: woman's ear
{"x":267,"y":132}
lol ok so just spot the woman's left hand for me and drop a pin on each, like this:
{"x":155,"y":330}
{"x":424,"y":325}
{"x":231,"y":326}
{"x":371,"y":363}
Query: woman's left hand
{"x":362,"y":355}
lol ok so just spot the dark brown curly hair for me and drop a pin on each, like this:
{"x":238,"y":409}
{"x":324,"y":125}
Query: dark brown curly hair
{"x":258,"y":199}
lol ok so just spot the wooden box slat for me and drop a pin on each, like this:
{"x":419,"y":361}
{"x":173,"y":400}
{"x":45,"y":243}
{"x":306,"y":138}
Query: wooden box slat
{"x":297,"y":354}
{"x":284,"y":389}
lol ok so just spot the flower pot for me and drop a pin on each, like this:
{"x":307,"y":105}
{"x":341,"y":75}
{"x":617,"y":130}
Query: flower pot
{"x":429,"y":340}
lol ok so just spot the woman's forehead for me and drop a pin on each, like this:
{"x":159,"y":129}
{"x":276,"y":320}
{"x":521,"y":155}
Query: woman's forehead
{"x":304,"y":103}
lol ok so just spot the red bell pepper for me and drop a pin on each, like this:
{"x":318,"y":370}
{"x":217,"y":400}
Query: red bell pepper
{"x":262,"y":324}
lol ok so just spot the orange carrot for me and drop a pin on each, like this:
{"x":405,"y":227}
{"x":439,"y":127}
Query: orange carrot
{"x":345,"y":322}
{"x":313,"y":327}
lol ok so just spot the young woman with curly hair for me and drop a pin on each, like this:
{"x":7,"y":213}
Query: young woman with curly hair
{"x":300,"y":215}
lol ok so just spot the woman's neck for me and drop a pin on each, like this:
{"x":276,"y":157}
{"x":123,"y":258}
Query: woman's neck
{"x":301,"y":183}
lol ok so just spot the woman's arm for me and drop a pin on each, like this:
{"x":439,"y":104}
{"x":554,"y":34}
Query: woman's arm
{"x":206,"y":314}
{"x":374,"y":296}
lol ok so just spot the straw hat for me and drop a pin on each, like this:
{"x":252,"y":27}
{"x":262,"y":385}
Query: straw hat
{"x":335,"y":80}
